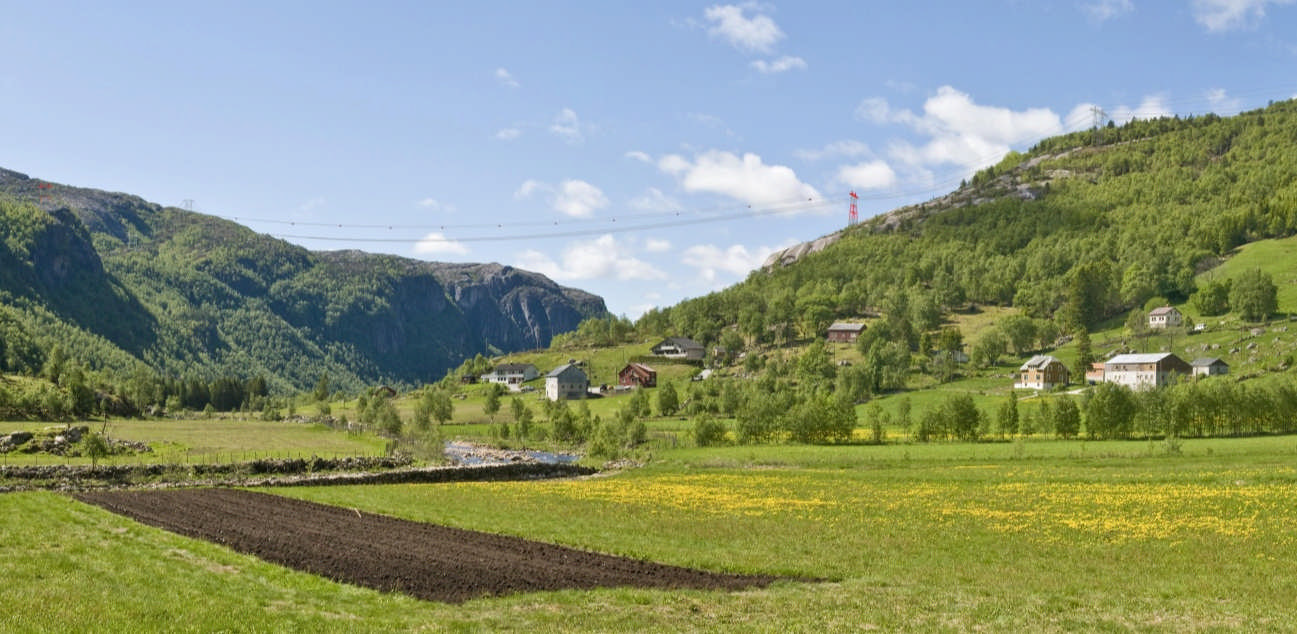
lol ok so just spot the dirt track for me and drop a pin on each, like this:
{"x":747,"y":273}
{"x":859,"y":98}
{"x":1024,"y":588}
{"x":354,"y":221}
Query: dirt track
{"x":422,"y":560}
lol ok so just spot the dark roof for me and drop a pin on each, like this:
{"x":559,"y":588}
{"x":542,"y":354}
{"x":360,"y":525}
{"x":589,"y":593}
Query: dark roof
{"x":1040,"y":361}
{"x":639,"y":366}
{"x":513,"y":367}
{"x":564,"y":368}
{"x":684,"y":343}
{"x":1163,"y":310}
{"x":1202,"y":362}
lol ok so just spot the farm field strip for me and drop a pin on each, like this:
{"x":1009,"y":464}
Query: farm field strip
{"x":391,"y":555}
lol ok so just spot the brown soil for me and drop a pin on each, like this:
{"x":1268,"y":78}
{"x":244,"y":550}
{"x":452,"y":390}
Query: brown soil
{"x":427,"y":561}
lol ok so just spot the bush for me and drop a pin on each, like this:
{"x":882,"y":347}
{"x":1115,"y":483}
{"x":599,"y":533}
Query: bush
{"x":708,"y":431}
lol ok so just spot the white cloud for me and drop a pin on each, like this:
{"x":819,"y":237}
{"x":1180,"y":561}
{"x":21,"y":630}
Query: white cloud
{"x":959,"y":131}
{"x":1104,"y":10}
{"x":567,"y":126}
{"x":437,"y":243}
{"x":1222,"y":103}
{"x":654,"y":200}
{"x":849,"y":149}
{"x":756,"y":34}
{"x":578,"y":198}
{"x":529,"y":187}
{"x":737,"y":260}
{"x":312,"y":204}
{"x":868,"y":175}
{"x":653,"y":245}
{"x":785,"y":63}
{"x":1152,"y":107}
{"x":744,"y":178}
{"x":505,"y":78}
{"x":433,"y":204}
{"x":601,"y":258}
{"x":1228,"y":15}
{"x":508,"y":134}
{"x":639,"y":156}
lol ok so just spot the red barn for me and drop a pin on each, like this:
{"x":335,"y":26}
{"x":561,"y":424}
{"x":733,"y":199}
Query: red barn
{"x":638,"y":374}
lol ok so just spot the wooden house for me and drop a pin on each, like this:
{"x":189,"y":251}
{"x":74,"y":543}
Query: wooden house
{"x":637,"y":374}
{"x":1042,"y":372}
{"x":844,"y":332}
{"x":1144,"y":371}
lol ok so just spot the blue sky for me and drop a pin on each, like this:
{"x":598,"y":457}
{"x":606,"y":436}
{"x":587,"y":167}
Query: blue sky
{"x":644,"y":151}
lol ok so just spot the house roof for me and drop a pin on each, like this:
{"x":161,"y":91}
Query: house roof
{"x":639,"y":366}
{"x":684,"y":343}
{"x":1203,"y":362}
{"x":1150,"y":357}
{"x":846,"y":326}
{"x":513,"y":367}
{"x":1039,"y":361}
{"x":1162,"y":310}
{"x":564,"y":368}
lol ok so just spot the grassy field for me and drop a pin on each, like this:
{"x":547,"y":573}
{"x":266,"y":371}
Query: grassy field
{"x":1036,"y":536}
{"x":212,"y":440}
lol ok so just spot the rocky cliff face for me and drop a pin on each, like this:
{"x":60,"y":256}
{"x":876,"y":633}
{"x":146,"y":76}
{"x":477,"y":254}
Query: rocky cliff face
{"x":185,"y":290}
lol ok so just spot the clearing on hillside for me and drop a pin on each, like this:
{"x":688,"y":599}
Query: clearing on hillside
{"x":426,"y":561}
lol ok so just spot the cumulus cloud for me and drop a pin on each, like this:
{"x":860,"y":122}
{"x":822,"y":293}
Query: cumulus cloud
{"x":960,"y":131}
{"x":567,"y":126}
{"x":746,"y":178}
{"x":578,"y":198}
{"x":1228,"y":15}
{"x":1103,"y":10}
{"x":874,"y":174}
{"x":654,"y":200}
{"x":505,"y":78}
{"x":432,"y":204}
{"x":639,"y":156}
{"x":507,"y":134}
{"x":1222,"y":103}
{"x":602,"y":258}
{"x":848,"y":149}
{"x":437,"y":243}
{"x":756,"y":34}
{"x":1152,"y":107}
{"x":529,"y":187}
{"x":653,"y":245}
{"x":783,"y":64}
{"x":736,"y":260}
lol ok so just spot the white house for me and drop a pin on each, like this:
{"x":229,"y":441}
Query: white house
{"x":1143,"y":371}
{"x":680,"y":348}
{"x":1165,"y":317}
{"x":511,"y":374}
{"x":1042,"y":372}
{"x":566,"y":382}
{"x":1209,"y":366}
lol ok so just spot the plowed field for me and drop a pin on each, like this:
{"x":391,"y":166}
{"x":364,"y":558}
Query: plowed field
{"x":427,"y":561}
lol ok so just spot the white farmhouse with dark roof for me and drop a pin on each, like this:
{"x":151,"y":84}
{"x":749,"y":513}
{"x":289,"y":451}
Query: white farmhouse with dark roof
{"x":1209,"y":366}
{"x":1165,"y":317}
{"x":566,"y":382}
{"x":1143,"y":371}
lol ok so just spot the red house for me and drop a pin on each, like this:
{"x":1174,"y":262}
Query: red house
{"x":638,"y":374}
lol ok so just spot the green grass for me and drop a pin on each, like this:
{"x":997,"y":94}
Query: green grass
{"x":1035,"y":536}
{"x":212,"y":440}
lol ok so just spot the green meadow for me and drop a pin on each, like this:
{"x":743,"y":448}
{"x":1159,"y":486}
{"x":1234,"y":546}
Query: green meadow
{"x":1024,"y":536}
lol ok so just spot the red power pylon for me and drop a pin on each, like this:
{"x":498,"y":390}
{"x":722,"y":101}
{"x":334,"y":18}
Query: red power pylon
{"x":853,"y":217}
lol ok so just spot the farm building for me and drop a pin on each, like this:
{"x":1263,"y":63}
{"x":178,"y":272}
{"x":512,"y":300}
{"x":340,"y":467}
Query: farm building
{"x":680,"y":348}
{"x":1042,"y":372}
{"x":566,"y":382}
{"x":511,"y":374}
{"x":1095,"y":373}
{"x":1165,"y":317}
{"x":638,"y":374}
{"x":845,"y":332}
{"x":1143,"y":371}
{"x":1209,"y":366}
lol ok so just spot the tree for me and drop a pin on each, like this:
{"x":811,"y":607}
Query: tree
{"x":321,"y":387}
{"x":1020,"y":330}
{"x":96,"y":447}
{"x":1109,"y":411}
{"x":1253,"y":295}
{"x":440,"y":407}
{"x":815,"y":364}
{"x":963,"y":416}
{"x":491,"y":405}
{"x":668,"y":399}
{"x":988,"y":349}
{"x":708,"y":431}
{"x":1084,"y":354}
{"x":1007,"y":418}
{"x":1212,"y":298}
{"x":1067,"y":418}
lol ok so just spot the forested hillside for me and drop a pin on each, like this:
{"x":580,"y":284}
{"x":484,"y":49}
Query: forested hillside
{"x":130,"y":290}
{"x":1078,"y":229}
